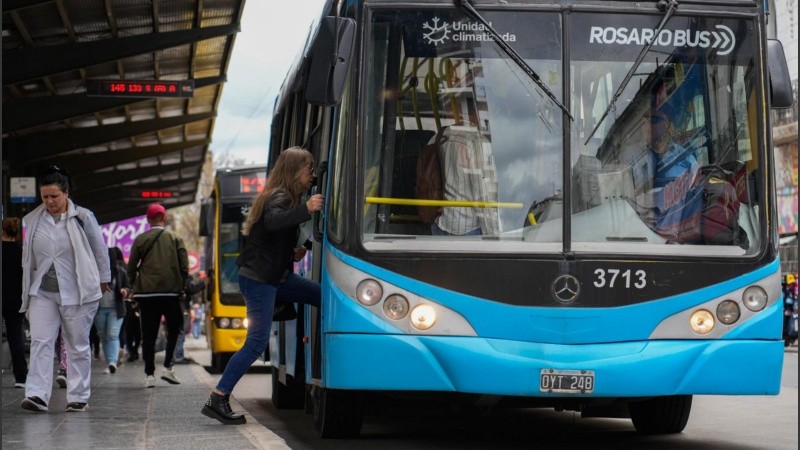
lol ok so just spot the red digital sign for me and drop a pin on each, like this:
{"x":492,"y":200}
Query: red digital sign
{"x":154,"y":194}
{"x":251,"y":184}
{"x":139,"y":88}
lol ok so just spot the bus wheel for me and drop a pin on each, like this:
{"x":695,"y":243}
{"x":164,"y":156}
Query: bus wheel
{"x":661,"y":415}
{"x":219,"y":361}
{"x":287,"y":396}
{"x":337,"y":414}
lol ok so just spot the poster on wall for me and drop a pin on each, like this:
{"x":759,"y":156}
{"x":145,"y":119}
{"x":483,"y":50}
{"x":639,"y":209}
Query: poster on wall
{"x":122,"y":233}
{"x":786,"y":187}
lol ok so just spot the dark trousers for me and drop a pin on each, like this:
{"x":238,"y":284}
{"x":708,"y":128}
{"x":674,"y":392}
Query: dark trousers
{"x":94,"y":341}
{"x":152,"y":308}
{"x":16,"y":343}
{"x":133,"y":332}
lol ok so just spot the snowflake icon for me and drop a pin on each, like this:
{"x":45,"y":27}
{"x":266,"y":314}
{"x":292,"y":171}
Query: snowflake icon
{"x":438,"y":33}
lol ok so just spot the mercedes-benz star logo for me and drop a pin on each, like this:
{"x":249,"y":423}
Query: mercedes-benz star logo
{"x":566,"y":288}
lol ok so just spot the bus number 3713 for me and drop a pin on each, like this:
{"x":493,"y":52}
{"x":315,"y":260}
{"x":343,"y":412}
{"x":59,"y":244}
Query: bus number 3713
{"x":608,"y":278}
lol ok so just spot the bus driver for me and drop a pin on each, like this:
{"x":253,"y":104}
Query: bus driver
{"x":676,"y":168}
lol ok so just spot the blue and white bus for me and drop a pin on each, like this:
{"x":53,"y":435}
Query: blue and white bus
{"x":605,"y":241}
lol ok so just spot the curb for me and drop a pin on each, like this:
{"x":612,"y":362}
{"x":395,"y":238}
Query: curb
{"x":258,"y":435}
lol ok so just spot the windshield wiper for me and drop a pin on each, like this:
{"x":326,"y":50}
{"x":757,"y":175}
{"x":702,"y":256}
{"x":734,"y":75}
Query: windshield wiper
{"x":671,"y":6}
{"x":511,"y":53}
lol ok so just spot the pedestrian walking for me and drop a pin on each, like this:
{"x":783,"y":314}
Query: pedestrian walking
{"x":158,"y":268}
{"x":193,"y":287}
{"x":111,"y":313}
{"x":271,"y":230}
{"x":197,"y":318}
{"x":65,"y":271}
{"x":12,"y":299}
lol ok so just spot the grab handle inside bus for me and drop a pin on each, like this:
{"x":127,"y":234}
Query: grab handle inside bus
{"x":322,"y":173}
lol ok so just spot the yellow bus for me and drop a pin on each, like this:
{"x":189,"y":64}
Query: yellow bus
{"x":221,"y":220}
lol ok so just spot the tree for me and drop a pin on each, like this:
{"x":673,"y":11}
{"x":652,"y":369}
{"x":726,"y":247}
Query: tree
{"x":185,"y":220}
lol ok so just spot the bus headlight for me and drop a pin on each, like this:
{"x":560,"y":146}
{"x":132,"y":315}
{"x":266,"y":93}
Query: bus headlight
{"x":224,"y":322}
{"x":236,"y":322}
{"x":245,"y":322}
{"x":754,"y":298}
{"x":728,"y":312}
{"x":701,"y":321}
{"x":369,"y":292}
{"x":423,"y":317}
{"x":395,"y":307}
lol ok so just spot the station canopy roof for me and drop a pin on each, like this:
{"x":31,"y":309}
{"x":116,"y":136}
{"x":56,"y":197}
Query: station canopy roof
{"x":123,"y":152}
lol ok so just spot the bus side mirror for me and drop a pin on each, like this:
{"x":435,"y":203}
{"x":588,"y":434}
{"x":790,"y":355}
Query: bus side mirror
{"x":330,"y":61}
{"x":206,"y":216}
{"x":779,"y":82}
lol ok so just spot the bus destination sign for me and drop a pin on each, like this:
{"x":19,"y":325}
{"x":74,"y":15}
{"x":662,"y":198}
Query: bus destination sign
{"x":252,"y":183}
{"x":140,"y":88}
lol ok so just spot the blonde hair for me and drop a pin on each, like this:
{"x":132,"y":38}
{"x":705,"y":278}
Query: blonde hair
{"x":284,"y":176}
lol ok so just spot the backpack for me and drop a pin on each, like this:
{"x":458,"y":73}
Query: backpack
{"x":719,"y":217}
{"x":430,"y":180}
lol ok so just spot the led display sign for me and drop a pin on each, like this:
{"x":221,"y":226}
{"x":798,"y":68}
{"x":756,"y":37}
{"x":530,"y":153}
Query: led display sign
{"x":153,"y":194}
{"x":251,"y":184}
{"x":139,"y":88}
{"x":241,"y":184}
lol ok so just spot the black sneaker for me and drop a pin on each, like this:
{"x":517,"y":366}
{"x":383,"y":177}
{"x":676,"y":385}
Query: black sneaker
{"x":34,"y":404}
{"x":77,"y":407}
{"x":61,"y":379}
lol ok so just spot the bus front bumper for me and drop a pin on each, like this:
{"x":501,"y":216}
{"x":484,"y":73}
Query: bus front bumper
{"x":227,"y":340}
{"x":502,"y":367}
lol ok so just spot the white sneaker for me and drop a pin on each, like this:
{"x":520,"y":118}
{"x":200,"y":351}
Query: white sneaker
{"x":61,"y":381}
{"x":112,"y":368}
{"x":168,"y":375}
{"x":150,"y":381}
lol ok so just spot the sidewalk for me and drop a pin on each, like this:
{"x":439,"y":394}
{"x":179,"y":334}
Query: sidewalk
{"x":123,"y":414}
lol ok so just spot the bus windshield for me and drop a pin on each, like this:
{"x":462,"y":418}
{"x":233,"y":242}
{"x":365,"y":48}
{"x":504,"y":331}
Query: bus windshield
{"x":230,"y":244}
{"x":673,"y":167}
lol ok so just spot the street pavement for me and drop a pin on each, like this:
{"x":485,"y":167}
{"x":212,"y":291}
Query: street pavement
{"x":123,"y":414}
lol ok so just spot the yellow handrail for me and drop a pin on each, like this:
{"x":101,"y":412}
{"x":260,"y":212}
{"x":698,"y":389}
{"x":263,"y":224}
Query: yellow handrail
{"x":457,"y":203}
{"x":414,"y":101}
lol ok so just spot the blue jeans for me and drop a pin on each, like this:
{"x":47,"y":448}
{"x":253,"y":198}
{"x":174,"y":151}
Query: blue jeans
{"x":260,"y":300}
{"x":197,"y":327}
{"x":179,"y":347}
{"x":108,"y":326}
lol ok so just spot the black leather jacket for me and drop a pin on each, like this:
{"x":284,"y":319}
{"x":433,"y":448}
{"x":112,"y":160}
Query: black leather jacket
{"x":269,"y":249}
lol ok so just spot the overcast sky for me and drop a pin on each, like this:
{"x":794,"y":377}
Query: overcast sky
{"x":272,"y":33}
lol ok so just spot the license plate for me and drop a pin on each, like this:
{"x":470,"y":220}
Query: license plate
{"x":566,"y":381}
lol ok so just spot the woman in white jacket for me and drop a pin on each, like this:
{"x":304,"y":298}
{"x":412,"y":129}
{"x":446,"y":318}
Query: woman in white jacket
{"x":65,"y":270}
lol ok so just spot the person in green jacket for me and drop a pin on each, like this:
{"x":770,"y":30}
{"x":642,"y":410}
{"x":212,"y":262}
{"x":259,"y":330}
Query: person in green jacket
{"x":158,"y":268}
